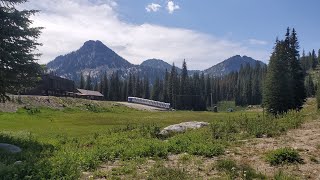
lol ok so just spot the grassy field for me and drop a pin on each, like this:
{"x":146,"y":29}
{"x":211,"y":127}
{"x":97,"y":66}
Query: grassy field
{"x":62,"y":143}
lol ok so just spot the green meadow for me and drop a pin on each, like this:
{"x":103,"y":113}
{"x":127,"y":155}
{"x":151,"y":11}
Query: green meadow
{"x":63,"y":143}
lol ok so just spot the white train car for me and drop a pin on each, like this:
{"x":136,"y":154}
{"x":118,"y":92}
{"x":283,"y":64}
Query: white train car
{"x":149,"y":102}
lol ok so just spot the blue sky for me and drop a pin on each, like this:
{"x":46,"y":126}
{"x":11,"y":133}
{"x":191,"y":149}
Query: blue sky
{"x":203,"y":32}
{"x":235,"y":19}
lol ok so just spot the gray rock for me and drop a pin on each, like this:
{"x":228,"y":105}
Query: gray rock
{"x":17,"y":162}
{"x":182,"y":127}
{"x":10,"y":148}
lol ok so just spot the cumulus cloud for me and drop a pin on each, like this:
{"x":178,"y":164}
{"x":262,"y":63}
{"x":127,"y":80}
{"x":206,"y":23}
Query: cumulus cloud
{"x":171,"y":7}
{"x":153,"y":7}
{"x":69,"y":23}
{"x":257,"y":42}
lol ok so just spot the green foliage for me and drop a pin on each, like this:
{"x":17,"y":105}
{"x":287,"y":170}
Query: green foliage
{"x":18,"y":67}
{"x":32,"y":110}
{"x":318,"y":95}
{"x":235,"y":171}
{"x":93,"y":108}
{"x":280,"y":175}
{"x":284,"y":86}
{"x":283,"y":156}
{"x":310,"y":88}
{"x":59,"y":144}
{"x":223,"y":106}
{"x":160,"y":172}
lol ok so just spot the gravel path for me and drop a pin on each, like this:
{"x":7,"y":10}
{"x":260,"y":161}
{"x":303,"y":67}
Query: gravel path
{"x":141,"y":107}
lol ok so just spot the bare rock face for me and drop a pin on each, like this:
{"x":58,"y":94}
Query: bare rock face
{"x":182,"y":127}
{"x":10,"y":148}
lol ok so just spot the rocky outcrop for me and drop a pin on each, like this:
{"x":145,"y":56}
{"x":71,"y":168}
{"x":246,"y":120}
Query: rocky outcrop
{"x":10,"y":148}
{"x":182,"y":127}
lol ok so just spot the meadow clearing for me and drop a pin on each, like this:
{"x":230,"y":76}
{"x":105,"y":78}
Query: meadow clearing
{"x":106,"y":140}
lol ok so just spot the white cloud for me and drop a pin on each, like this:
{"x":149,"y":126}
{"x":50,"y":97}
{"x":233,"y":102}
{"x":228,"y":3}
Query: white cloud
{"x":171,"y":7}
{"x":69,"y":23}
{"x":257,"y":42}
{"x":153,"y":7}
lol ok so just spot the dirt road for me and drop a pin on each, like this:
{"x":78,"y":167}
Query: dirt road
{"x":141,"y":107}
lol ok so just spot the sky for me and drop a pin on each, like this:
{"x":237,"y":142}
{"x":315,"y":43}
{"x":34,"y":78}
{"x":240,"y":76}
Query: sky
{"x":203,"y":33}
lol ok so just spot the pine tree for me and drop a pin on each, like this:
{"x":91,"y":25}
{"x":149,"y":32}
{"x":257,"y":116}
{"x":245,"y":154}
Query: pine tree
{"x":165,"y":88}
{"x":146,"y":88}
{"x":275,"y":94}
{"x":96,"y":87}
{"x":310,"y":89}
{"x":173,"y":86}
{"x":319,"y":56}
{"x":314,"y":59}
{"x":82,"y":81}
{"x":183,"y":100}
{"x":318,"y":95}
{"x":296,"y":72}
{"x":130,"y":85}
{"x":105,"y":90}
{"x":88,"y":83}
{"x":18,"y":67}
{"x":156,"y":90}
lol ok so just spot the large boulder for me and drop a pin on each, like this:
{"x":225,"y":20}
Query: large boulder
{"x":10,"y":148}
{"x":182,"y":127}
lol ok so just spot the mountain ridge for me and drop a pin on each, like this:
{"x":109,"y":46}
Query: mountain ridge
{"x":94,"y":58}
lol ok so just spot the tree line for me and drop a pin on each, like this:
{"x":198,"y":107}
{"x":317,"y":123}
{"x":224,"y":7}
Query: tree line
{"x":184,"y":91}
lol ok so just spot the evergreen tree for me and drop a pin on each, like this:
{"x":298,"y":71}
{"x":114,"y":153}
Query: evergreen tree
{"x":115,"y":89}
{"x":130,"y":85}
{"x":183,"y":100}
{"x":18,"y":67}
{"x":124,"y":91}
{"x":296,"y":73}
{"x":96,"y":86}
{"x":318,"y":95}
{"x":275,"y":94}
{"x":314,"y":59}
{"x":173,"y":86}
{"x":165,"y":88}
{"x":156,"y":90}
{"x":146,"y":88}
{"x":319,"y":56}
{"x":310,"y":89}
{"x":88,"y":83}
{"x":105,"y":90}
{"x":82,"y":82}
{"x":138,"y":87}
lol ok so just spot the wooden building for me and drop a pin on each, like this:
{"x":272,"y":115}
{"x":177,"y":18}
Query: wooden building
{"x":53,"y":86}
{"x":87,"y":94}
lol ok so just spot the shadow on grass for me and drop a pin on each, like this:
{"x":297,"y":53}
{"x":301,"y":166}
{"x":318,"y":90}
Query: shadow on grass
{"x":30,"y":163}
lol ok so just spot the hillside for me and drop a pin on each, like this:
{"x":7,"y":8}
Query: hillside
{"x":232,"y":64}
{"x":92,"y":58}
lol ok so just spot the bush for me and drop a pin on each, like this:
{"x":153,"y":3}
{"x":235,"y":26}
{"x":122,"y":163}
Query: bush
{"x":235,"y":171}
{"x":160,"y":172}
{"x":282,"y":176}
{"x":32,"y":110}
{"x":283,"y":156}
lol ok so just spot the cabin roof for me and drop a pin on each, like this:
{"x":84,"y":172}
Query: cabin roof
{"x":84,"y":92}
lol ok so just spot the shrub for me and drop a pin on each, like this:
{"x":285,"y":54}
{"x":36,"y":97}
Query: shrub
{"x":235,"y":171}
{"x":282,"y":176}
{"x":226,"y":165}
{"x":160,"y":172}
{"x":283,"y":156}
{"x":32,"y":110}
